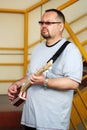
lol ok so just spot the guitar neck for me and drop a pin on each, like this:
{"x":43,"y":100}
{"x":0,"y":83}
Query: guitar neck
{"x":27,"y":84}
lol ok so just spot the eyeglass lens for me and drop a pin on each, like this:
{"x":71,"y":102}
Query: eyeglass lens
{"x":48,"y":23}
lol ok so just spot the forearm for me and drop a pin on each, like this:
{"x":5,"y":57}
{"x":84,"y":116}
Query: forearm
{"x":62,"y":83}
{"x":21,"y":81}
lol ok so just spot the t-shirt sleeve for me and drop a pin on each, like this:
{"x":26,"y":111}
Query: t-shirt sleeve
{"x":73,"y":66}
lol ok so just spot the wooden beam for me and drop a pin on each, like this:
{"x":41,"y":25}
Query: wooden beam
{"x":63,"y":6}
{"x":25,"y":42}
{"x":76,"y":41}
{"x":36,"y":5}
{"x":12,"y":11}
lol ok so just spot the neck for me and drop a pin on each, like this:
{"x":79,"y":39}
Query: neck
{"x":50,"y":42}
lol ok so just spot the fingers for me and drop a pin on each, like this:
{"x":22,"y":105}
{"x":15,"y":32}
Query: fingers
{"x":36,"y":79}
{"x":11,"y":96}
{"x":12,"y":92}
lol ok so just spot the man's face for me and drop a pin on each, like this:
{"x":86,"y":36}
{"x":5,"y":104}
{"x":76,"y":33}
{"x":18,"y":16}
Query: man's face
{"x":50,"y":30}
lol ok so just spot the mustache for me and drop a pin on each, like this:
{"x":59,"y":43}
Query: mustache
{"x":44,"y":28}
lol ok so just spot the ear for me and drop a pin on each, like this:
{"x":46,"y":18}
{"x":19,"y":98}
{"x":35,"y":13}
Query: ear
{"x":61,"y":27}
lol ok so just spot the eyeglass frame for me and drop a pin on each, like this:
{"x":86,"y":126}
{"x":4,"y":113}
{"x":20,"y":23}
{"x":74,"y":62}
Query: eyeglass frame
{"x":48,"y":23}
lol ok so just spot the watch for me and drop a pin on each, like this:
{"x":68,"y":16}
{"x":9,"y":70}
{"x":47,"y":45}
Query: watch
{"x":46,"y":82}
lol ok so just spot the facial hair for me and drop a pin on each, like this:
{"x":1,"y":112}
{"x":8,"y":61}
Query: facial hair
{"x":45,"y":35}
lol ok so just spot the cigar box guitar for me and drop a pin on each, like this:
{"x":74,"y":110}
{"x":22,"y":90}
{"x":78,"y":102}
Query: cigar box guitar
{"x":22,"y":94}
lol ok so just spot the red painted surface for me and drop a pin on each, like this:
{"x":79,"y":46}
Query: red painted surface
{"x":10,"y":120}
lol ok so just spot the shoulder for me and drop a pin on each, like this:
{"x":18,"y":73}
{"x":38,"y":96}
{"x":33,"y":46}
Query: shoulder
{"x":40,"y":45}
{"x":72,"y":53}
{"x":72,"y":48}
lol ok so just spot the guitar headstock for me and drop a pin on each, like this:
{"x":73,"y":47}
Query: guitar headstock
{"x":44,"y":68}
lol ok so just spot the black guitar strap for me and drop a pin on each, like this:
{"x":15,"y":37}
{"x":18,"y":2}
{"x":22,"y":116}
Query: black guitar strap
{"x":58,"y":52}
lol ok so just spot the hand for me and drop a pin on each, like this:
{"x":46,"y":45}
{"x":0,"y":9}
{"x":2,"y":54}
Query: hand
{"x":13,"y":91}
{"x":37,"y":79}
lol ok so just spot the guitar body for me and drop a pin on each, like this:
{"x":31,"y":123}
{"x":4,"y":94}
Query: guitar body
{"x":20,"y":99}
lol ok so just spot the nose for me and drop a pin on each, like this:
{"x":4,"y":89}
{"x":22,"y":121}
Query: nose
{"x":43,"y":24}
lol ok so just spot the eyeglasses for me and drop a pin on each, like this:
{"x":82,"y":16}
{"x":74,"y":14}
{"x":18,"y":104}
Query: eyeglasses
{"x":48,"y":23}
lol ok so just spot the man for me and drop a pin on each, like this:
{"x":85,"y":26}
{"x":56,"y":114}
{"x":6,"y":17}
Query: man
{"x":49,"y":98}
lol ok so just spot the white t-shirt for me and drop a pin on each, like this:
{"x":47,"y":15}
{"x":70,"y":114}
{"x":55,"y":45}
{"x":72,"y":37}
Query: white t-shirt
{"x":45,"y":108}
